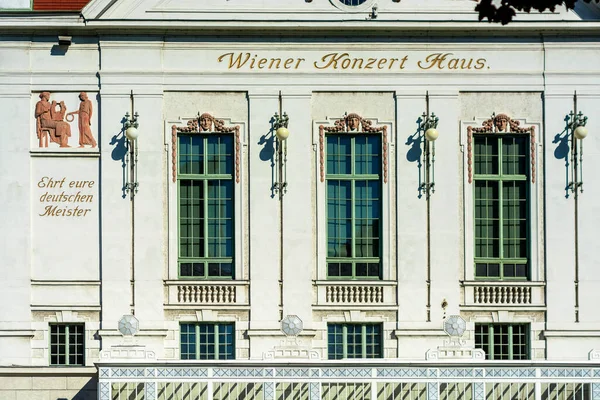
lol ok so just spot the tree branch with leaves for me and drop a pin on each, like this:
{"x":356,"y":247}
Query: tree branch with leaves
{"x":507,"y":9}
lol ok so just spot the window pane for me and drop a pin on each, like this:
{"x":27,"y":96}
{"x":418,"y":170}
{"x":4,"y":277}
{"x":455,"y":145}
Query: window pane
{"x":339,"y":218}
{"x":487,"y":220}
{"x":354,"y":341}
{"x":354,"y":346}
{"x":191,"y":218}
{"x":220,"y":154}
{"x":188,"y":341}
{"x":335,"y":342}
{"x":367,"y":155}
{"x":514,"y":222}
{"x":339,"y":154}
{"x":514,"y":155}
{"x":226,"y":342}
{"x":67,"y":344}
{"x":353,"y":205}
{"x":486,"y":155}
{"x":482,"y":339}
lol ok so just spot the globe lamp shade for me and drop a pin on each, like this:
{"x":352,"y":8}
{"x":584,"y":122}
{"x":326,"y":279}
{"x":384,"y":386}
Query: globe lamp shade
{"x":580,"y":132}
{"x":282,"y":133}
{"x":132,"y":133}
{"x":431,"y":134}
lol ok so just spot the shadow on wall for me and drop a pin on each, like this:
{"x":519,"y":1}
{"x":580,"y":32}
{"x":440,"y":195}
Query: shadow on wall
{"x":415,"y":152}
{"x":562,"y":150}
{"x":58,"y":50}
{"x":267,"y":153}
{"x":119,"y":153}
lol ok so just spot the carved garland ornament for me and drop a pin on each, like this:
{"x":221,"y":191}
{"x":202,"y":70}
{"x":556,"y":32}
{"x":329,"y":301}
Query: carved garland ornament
{"x":205,"y":123}
{"x":499,"y":124}
{"x":352,"y":123}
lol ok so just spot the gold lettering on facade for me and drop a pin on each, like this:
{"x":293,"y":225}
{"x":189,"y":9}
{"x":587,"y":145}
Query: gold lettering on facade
{"x":56,"y":208}
{"x":239,"y":60}
{"x":441,"y":61}
{"x":345,"y":61}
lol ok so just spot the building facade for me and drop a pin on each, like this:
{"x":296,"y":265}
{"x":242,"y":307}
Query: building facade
{"x":298,"y":199}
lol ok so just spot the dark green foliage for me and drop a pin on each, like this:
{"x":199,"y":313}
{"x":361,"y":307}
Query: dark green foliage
{"x":505,"y":12}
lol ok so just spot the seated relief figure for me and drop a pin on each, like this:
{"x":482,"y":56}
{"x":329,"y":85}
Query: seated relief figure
{"x":50,"y":120}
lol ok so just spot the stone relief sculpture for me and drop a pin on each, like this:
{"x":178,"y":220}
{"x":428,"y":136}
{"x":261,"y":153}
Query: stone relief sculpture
{"x":85,"y":121}
{"x":49,"y":121}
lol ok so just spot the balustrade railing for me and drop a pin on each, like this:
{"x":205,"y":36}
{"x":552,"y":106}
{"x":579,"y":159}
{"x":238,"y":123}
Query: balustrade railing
{"x":502,"y":295}
{"x":205,"y":294}
{"x":505,"y":293}
{"x":354,"y":294}
{"x":185,"y":293}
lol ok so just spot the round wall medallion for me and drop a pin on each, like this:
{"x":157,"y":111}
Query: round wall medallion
{"x":291,"y":325}
{"x":353,"y":5}
{"x":129,"y":325}
{"x":455,"y":325}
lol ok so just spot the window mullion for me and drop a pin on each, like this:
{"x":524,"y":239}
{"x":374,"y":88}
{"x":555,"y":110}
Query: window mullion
{"x":205,"y":223}
{"x":197,"y":339}
{"x":216,"y":344}
{"x":500,"y":184}
{"x":353,"y":215}
{"x":66,"y":344}
{"x":491,"y":341}
{"x":510,"y":342}
{"x":344,"y":341}
{"x":363,"y":339}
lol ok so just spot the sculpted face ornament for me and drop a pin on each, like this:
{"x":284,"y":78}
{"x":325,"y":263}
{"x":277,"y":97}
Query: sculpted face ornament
{"x":501,"y":122}
{"x":205,"y":122}
{"x":353,"y":122}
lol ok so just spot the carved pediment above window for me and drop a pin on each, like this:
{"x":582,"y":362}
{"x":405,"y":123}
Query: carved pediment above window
{"x":206,"y":123}
{"x":353,"y":123}
{"x":500,"y":124}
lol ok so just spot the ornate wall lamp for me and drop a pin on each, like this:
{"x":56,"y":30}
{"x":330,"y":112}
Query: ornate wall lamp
{"x":280,"y":123}
{"x":131,"y":133}
{"x":576,"y":129}
{"x":428,"y":125}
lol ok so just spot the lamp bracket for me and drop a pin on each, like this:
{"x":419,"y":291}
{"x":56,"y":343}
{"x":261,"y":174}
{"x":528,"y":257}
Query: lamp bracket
{"x":131,"y":121}
{"x":429,"y":121}
{"x":577,"y":120}
{"x":280,"y":121}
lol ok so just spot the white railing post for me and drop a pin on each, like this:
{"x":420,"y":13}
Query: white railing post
{"x":537,"y":386}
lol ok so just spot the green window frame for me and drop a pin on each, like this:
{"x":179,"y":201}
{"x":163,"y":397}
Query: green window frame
{"x":205,"y":193}
{"x":354,"y":206}
{"x":501,"y":207}
{"x":354,"y":341}
{"x":67,"y":344}
{"x":503,"y":341}
{"x":207,"y":341}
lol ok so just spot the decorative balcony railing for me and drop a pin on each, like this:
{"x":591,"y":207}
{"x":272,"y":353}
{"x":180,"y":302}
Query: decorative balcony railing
{"x":355,"y":293}
{"x":364,"y":381}
{"x":203,"y":292}
{"x":519,"y":294}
